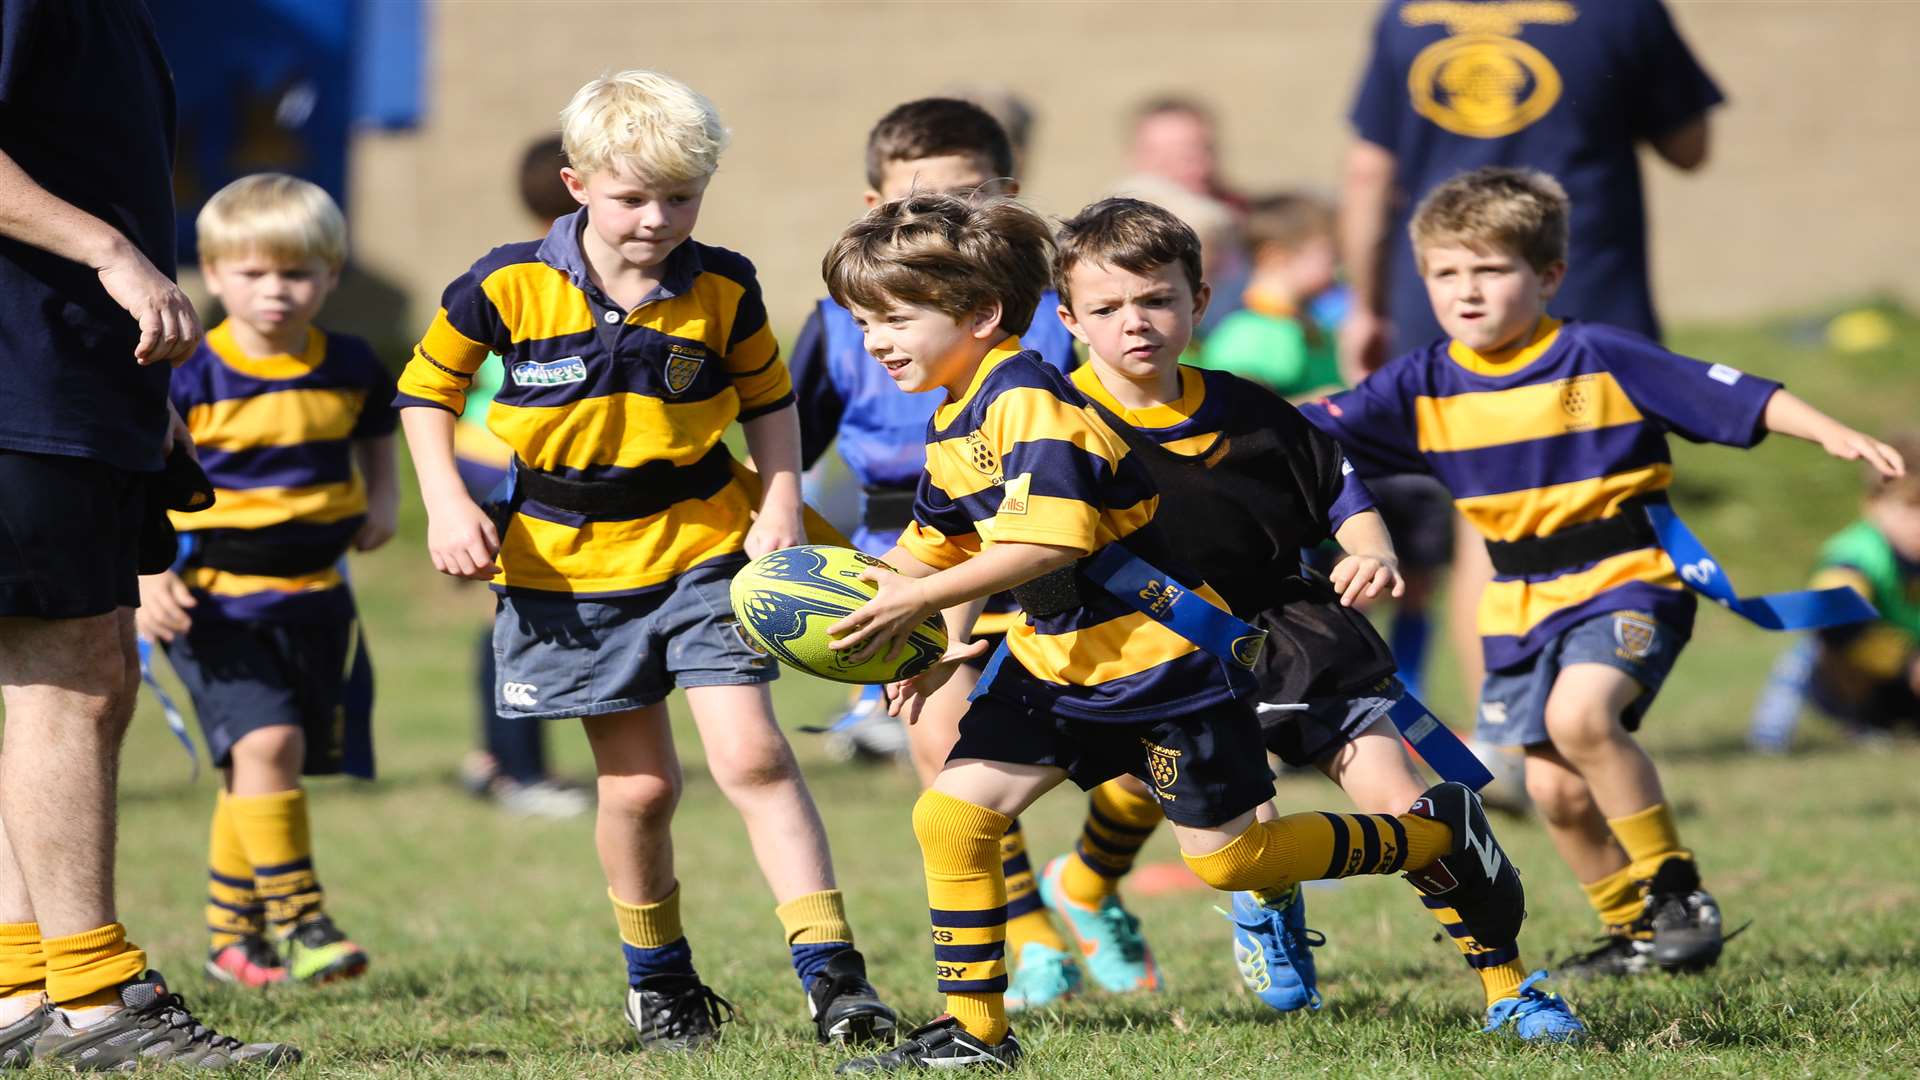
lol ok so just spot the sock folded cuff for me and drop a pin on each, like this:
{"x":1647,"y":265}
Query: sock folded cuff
{"x":88,"y":963}
{"x":1240,"y":864}
{"x":958,"y":819}
{"x":23,"y":966}
{"x":817,"y":918}
{"x":1615,"y":897}
{"x":649,"y":926}
{"x":19,"y":935}
{"x":1648,"y":837}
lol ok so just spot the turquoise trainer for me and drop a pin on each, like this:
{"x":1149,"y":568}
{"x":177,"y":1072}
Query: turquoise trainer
{"x":1108,"y":936}
{"x":1045,"y":976}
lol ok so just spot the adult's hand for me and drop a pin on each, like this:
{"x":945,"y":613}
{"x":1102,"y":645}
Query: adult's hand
{"x":169,"y":329}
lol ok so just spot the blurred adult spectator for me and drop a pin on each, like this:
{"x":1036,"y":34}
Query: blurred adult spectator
{"x":1176,"y":138}
{"x":510,"y":767}
{"x":1568,"y":88}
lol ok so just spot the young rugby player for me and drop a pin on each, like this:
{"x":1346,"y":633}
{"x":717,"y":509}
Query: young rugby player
{"x":629,"y":347}
{"x":295,"y":430}
{"x":1128,"y":273}
{"x":1025,"y":482}
{"x":939,"y":145}
{"x":1551,"y":437}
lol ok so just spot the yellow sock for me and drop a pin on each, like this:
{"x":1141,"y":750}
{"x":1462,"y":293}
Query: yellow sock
{"x":815,"y":919}
{"x":1616,"y":898}
{"x":1649,"y":839}
{"x":1306,"y":847}
{"x":967,"y":901}
{"x":1119,"y":821}
{"x":648,"y":926}
{"x":233,"y":907}
{"x":85,"y":970}
{"x":23,"y":965}
{"x":1027,"y":918}
{"x":1500,"y":970}
{"x":278,"y":839}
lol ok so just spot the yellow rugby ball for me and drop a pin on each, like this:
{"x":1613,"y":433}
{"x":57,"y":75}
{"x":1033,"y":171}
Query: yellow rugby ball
{"x":786,"y":599}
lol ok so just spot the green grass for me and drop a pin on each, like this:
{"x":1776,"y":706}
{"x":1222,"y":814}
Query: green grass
{"x":494,"y":951}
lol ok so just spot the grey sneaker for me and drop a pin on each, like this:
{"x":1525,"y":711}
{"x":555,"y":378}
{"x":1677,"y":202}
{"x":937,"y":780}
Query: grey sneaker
{"x":154,"y":1028}
{"x":545,"y":799}
{"x":16,"y":1039}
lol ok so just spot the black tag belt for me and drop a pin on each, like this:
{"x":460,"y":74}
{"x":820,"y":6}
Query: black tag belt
{"x":886,"y":509}
{"x":639,"y":493}
{"x":242,"y":552}
{"x":1578,"y":545}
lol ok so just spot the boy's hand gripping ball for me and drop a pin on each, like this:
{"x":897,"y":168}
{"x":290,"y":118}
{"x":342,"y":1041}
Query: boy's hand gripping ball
{"x":786,"y":599}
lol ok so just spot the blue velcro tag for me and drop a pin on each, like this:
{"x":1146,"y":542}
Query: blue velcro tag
{"x":1147,"y":590}
{"x":175,"y":722}
{"x":1437,"y":743}
{"x":1807,"y":609}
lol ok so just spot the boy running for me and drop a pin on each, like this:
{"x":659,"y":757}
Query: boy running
{"x":1024,"y":482}
{"x":1551,"y":437}
{"x":295,"y":430}
{"x":1128,"y":273}
{"x":629,"y":347}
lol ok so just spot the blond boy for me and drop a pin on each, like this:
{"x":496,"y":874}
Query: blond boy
{"x":629,"y":348}
{"x":295,"y":429}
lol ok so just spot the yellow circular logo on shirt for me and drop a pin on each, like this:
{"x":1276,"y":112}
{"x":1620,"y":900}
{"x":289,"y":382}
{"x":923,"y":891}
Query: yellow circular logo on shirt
{"x":1483,"y":86}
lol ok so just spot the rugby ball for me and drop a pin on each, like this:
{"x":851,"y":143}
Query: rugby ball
{"x":786,"y":599}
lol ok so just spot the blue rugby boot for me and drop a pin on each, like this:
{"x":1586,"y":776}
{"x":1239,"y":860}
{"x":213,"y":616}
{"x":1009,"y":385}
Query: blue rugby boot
{"x":1535,"y":1016}
{"x":1045,"y":976}
{"x":1272,"y":948}
{"x":1108,"y":936}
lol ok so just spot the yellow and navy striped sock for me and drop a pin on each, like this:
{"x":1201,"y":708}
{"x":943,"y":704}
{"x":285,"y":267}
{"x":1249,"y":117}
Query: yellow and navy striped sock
{"x":967,"y":904}
{"x":1119,"y":821}
{"x":1027,"y":918}
{"x":1306,"y":847}
{"x":651,"y":938}
{"x":1649,"y":838}
{"x":1617,"y":898}
{"x":23,"y":964}
{"x":85,"y":970}
{"x":234,"y":910}
{"x":278,"y":838}
{"x":817,"y":931}
{"x":1500,"y":970}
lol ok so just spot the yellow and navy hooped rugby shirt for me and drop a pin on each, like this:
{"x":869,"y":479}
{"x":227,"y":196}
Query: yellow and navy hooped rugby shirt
{"x":1021,"y":458}
{"x":593,"y":392}
{"x":1558,"y":432}
{"x":275,"y":436}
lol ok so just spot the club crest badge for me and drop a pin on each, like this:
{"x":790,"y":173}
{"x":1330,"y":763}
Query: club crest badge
{"x":683,"y":366}
{"x":1634,"y":633}
{"x":981,"y":456}
{"x":1162,"y":764}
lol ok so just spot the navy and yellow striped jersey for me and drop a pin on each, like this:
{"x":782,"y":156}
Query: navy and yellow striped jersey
{"x":592,"y":392}
{"x":275,"y":436}
{"x":1022,"y":458}
{"x":1559,"y":432}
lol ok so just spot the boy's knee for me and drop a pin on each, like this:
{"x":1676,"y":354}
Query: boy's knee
{"x":1580,"y":725}
{"x":642,"y":796}
{"x":758,"y":763}
{"x":1561,"y":797}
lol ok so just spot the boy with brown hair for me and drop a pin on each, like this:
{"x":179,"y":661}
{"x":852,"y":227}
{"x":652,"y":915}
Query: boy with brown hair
{"x":1027,"y":487}
{"x":1551,"y":436}
{"x":630,"y":347}
{"x":1129,"y":274}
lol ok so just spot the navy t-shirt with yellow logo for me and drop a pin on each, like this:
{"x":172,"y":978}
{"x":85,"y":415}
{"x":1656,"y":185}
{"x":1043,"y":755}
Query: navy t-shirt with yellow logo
{"x":1565,"y":87}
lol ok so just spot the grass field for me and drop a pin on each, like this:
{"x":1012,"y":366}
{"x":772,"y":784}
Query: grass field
{"x":495,"y":955}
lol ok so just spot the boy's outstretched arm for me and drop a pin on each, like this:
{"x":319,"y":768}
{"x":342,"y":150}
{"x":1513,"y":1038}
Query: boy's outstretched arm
{"x":1789,"y":415}
{"x":773,"y":439}
{"x":1370,"y":564}
{"x":374,"y":458}
{"x":460,"y":538}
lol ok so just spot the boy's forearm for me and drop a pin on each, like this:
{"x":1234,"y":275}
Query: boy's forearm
{"x":959,"y":619}
{"x":1787,"y":414}
{"x":430,"y":443}
{"x":1365,"y":533}
{"x":996,"y":569}
{"x":375,"y":459}
{"x":773,"y":440}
